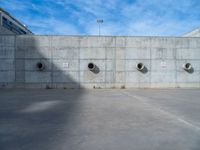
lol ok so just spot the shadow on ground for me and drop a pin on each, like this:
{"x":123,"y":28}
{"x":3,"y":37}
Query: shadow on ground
{"x":36,"y":119}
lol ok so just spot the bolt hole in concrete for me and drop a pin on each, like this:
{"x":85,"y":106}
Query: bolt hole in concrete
{"x":188,"y":67}
{"x":40,"y":66}
{"x":93,"y":68}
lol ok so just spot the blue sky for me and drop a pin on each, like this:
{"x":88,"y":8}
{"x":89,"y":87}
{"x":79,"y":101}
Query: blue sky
{"x":121,"y":17}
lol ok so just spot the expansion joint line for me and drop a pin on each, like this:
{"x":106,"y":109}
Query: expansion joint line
{"x":175,"y":117}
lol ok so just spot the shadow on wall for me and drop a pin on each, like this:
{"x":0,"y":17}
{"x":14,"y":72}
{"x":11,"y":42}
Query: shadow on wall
{"x":38,"y":119}
{"x":44,"y":61}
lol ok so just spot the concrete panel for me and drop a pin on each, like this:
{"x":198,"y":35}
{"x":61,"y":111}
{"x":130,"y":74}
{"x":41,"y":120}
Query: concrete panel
{"x":96,"y":41}
{"x":163,"y":85}
{"x":138,"y":42}
{"x":163,"y":65}
{"x":37,"y":77}
{"x":7,"y":41}
{"x":195,"y":64}
{"x":93,"y":85}
{"x":65,"y":77}
{"x":7,"y":65}
{"x":163,"y":42}
{"x":37,"y":85}
{"x":120,"y":77}
{"x":20,"y":76}
{"x":90,"y":77}
{"x":120,"y":65}
{"x":131,"y":64}
{"x":121,"y":53}
{"x":163,"y":53}
{"x":141,"y":85}
{"x":61,"y":42}
{"x":137,"y":77}
{"x":163,"y":77}
{"x":92,"y":53}
{"x":138,"y":53}
{"x":31,"y":64}
{"x":65,"y":53}
{"x":185,"y":77}
{"x":120,"y":42}
{"x":7,"y":76}
{"x":173,"y":42}
{"x":110,"y":64}
{"x":7,"y":52}
{"x":188,"y":54}
{"x":4,"y":31}
{"x":110,"y":53}
{"x":187,"y":85}
{"x":66,"y":85}
{"x":109,"y":77}
{"x":20,"y":64}
{"x":186,"y":43}
{"x":33,"y":41}
{"x":66,"y":64}
{"x":194,"y":43}
{"x":20,"y":52}
{"x":33,"y":52}
{"x":101,"y":64}
{"x":7,"y":85}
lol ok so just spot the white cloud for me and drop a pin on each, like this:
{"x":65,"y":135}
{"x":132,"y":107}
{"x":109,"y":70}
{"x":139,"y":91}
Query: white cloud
{"x":53,"y":26}
{"x":141,"y":17}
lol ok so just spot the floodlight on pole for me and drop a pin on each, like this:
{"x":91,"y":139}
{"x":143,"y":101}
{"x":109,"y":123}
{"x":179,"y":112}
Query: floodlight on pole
{"x":99,"y":21}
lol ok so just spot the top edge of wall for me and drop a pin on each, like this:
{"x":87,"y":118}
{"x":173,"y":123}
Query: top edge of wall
{"x":102,"y":36}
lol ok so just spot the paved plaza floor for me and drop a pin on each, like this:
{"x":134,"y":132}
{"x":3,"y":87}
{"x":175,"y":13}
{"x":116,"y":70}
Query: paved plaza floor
{"x":126,"y":119}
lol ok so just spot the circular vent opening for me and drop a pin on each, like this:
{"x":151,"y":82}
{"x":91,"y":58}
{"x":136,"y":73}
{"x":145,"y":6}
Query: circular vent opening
{"x":40,"y":66}
{"x":187,"y":66}
{"x":91,"y":66}
{"x":140,"y":66}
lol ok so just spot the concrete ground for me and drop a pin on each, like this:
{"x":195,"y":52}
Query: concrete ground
{"x":136,"y":119}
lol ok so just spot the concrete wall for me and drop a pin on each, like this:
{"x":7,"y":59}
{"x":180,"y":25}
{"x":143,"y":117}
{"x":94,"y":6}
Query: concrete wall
{"x":66,"y":59}
{"x":4,"y":31}
{"x":194,"y":33}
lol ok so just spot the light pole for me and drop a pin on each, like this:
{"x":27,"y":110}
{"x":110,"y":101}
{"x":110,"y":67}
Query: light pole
{"x":100,"y":21}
